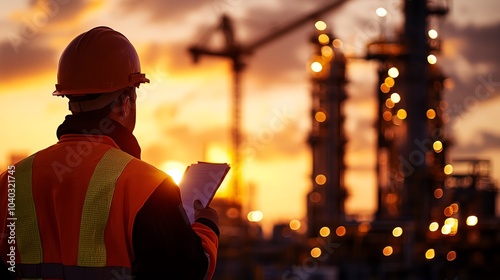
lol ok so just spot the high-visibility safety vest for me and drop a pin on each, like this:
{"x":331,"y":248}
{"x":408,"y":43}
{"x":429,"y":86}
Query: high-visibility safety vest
{"x":93,"y":180}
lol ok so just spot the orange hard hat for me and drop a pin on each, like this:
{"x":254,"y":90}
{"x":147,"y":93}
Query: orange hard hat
{"x":100,"y":60}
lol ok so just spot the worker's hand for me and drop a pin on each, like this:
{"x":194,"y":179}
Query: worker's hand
{"x":207,"y":213}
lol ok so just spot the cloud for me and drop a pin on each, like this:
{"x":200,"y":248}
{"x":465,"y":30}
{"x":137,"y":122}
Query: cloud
{"x":27,"y":50}
{"x":280,"y":60}
{"x":489,"y":140}
{"x":33,"y":60}
{"x":279,"y":140}
{"x":58,"y":10}
{"x":182,"y":143}
{"x":41,"y":16}
{"x":178,"y":139}
{"x":285,"y":57}
{"x":471,"y":131}
{"x":276,"y":137}
{"x":474,"y":48}
{"x":164,"y":10}
{"x":479,"y":60}
{"x":175,"y":57}
{"x":470,"y":13}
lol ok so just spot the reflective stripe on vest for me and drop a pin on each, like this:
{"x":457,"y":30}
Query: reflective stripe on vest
{"x":28,"y":235}
{"x":91,"y":247}
{"x":95,"y":213}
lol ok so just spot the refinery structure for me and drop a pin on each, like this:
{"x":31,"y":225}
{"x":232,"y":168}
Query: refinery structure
{"x":432,"y":222}
{"x":435,"y":216}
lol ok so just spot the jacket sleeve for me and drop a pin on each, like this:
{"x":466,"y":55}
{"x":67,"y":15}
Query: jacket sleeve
{"x":210,"y":241}
{"x":166,"y":245}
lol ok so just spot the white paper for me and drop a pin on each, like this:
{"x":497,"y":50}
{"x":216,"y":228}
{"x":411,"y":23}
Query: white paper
{"x":200,"y":182}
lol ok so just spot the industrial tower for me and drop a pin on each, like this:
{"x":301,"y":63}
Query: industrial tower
{"x":412,"y":145}
{"x":427,"y":222}
{"x":325,"y":203}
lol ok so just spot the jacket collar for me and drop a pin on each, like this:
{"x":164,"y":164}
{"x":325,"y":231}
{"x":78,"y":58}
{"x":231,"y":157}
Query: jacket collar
{"x":126,"y":141}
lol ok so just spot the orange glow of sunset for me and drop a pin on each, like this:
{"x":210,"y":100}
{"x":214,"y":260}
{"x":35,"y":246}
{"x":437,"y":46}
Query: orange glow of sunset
{"x":219,"y":154}
{"x":174,"y":169}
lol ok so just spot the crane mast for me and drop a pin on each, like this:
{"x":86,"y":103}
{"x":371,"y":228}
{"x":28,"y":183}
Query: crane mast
{"x":235,"y":52}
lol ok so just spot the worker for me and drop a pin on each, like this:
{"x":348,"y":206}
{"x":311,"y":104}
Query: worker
{"x":88,"y":207}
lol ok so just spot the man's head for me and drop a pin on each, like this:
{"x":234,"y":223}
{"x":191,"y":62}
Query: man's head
{"x":98,"y":72}
{"x":122,"y":108}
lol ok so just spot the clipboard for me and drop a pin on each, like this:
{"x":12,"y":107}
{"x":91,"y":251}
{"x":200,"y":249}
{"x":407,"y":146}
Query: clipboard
{"x":200,"y":182}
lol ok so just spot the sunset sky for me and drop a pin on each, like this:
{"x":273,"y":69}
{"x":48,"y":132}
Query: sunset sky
{"x":184,"y":114}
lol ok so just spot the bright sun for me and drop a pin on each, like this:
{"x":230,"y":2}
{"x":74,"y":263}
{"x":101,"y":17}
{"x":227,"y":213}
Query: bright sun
{"x":174,"y":169}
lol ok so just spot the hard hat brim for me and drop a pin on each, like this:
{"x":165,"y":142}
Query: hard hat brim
{"x":134,"y":81}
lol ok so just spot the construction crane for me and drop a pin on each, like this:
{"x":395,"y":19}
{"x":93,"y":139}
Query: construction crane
{"x":235,"y":52}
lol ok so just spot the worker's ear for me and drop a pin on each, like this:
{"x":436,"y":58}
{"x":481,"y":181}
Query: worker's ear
{"x":125,"y":104}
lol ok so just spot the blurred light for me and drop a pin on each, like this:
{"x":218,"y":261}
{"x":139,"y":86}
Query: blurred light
{"x":255,"y":216}
{"x":364,"y":227}
{"x":315,"y":252}
{"x":340,"y":231}
{"x":453,"y":224}
{"x":433,"y":34}
{"x":324,"y":231}
{"x":432,"y":59}
{"x":443,"y":105}
{"x":320,"y":179}
{"x":393,"y":72}
{"x":232,"y":213}
{"x":323,"y":39}
{"x":451,"y":256}
{"x":387,"y":251}
{"x":389,"y":104}
{"x":174,"y":169}
{"x":397,"y":231}
{"x":391,"y":198}
{"x":294,"y":224}
{"x":431,"y":114}
{"x":437,"y":146}
{"x":315,"y":197}
{"x":455,"y":207}
{"x":402,"y":114}
{"x":446,"y":229}
{"x":448,"y":83}
{"x":387,"y":115}
{"x":448,"y":169}
{"x":396,"y":120}
{"x":381,"y":12}
{"x":433,"y":226}
{"x":327,"y":53}
{"x":448,"y":211}
{"x":316,"y":67}
{"x":430,"y":254}
{"x":384,"y":88}
{"x":389,"y":81}
{"x":438,"y":193}
{"x":320,"y":116}
{"x":395,"y":97}
{"x":320,"y":25}
{"x":471,"y":221}
{"x":337,"y":43}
